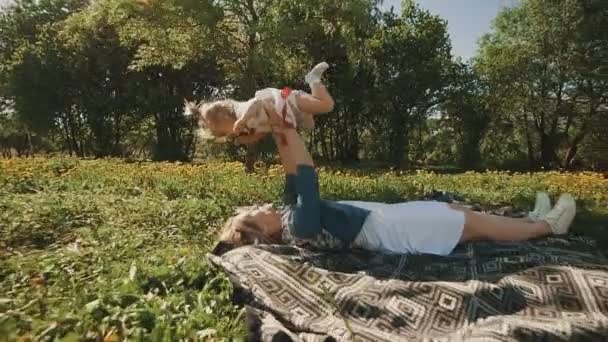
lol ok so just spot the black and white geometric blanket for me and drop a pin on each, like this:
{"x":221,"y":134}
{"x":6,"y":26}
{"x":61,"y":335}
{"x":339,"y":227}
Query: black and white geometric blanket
{"x":552,"y":289}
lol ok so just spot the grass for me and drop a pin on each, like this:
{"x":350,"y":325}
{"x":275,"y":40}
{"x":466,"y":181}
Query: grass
{"x":106,"y":249}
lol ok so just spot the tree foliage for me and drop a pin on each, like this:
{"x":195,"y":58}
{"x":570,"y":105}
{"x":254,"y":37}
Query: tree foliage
{"x":547,"y":61}
{"x":108,"y":78}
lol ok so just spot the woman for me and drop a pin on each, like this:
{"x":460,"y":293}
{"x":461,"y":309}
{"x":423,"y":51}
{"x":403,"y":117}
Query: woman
{"x":411,"y":227}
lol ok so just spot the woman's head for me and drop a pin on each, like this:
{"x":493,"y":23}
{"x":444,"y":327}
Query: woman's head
{"x":251,"y":225}
{"x":214,"y":119}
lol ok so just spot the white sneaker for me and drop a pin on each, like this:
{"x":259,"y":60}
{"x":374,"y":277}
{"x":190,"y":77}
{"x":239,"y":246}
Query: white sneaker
{"x":541,"y":207}
{"x":316,"y":73}
{"x":561,"y":216}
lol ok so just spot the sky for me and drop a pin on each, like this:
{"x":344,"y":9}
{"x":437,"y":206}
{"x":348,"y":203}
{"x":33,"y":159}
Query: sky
{"x":467,"y":20}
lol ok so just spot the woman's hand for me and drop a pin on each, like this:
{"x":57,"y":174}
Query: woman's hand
{"x":239,"y":126}
{"x":275,"y":119}
{"x":249,"y":138}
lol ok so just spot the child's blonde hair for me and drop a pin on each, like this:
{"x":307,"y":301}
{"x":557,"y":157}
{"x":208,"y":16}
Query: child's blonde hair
{"x":205,"y":112}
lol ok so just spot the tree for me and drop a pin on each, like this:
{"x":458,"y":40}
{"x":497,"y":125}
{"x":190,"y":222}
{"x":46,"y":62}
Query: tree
{"x":176,"y":57}
{"x":184,"y":34}
{"x":545,"y":59}
{"x":411,"y":53}
{"x":336,"y":32}
{"x":468,"y":111}
{"x":32,"y":69}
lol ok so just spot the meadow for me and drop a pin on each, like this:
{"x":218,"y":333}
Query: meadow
{"x":104,"y":249}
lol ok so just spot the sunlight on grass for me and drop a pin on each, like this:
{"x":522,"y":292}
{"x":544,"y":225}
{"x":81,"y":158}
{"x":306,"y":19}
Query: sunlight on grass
{"x":107,"y":248}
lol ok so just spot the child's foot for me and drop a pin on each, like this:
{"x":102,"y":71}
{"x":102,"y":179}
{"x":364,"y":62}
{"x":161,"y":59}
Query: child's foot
{"x":316,"y":73}
{"x":561,"y":216}
{"x":541,"y":207}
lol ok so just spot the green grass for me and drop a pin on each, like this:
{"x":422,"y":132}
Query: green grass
{"x":106,"y":249}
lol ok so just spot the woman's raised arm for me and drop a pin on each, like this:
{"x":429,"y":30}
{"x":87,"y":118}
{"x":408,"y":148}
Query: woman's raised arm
{"x":301,"y":183}
{"x":307,"y":209}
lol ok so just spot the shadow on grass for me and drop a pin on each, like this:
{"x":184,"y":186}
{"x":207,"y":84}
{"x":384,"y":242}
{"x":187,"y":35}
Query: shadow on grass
{"x":593,"y":224}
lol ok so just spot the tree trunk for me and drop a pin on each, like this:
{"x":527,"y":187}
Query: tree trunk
{"x":398,"y":147}
{"x":66,"y":135}
{"x":547,"y":150}
{"x":251,"y":158}
{"x":531,"y":159}
{"x":168,"y":146}
{"x":569,"y":160}
{"x":572,"y":149}
{"x":332,"y":145}
{"x":30,"y":146}
{"x":116,"y":150}
{"x":353,"y":151}
{"x":72,"y":130}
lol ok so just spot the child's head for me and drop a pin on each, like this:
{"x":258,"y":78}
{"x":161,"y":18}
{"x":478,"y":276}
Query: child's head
{"x":215,"y":119}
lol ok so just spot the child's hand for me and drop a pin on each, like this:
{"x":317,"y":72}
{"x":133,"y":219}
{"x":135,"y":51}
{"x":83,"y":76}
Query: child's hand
{"x":239,"y":126}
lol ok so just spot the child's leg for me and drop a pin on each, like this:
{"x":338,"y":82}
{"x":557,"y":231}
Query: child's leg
{"x":319,"y":101}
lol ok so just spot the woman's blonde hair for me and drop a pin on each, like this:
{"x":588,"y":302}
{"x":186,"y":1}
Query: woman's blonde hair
{"x":241,"y":229}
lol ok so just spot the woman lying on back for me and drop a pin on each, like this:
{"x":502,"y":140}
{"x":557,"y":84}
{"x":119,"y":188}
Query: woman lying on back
{"x":409,"y":227}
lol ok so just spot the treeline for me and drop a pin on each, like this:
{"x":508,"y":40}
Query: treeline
{"x":109,"y":77}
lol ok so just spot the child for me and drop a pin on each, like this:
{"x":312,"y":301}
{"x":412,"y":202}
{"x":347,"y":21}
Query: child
{"x":221,"y":120}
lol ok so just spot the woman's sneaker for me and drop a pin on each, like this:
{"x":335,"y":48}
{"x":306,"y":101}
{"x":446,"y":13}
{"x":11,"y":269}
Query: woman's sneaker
{"x":561,"y":216}
{"x":541,"y":207}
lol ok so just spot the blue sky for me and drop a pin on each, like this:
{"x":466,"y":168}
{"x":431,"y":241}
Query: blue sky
{"x":467,"y":20}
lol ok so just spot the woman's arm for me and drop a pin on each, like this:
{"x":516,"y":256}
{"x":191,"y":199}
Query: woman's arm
{"x":290,"y":193}
{"x":296,"y":148}
{"x":301,"y":182}
{"x":307,"y":208}
{"x":249,"y":138}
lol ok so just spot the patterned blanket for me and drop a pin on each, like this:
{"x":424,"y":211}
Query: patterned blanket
{"x":549,"y":289}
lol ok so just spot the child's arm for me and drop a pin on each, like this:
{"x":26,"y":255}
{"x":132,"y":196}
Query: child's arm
{"x":253,"y":107}
{"x":274,"y":119}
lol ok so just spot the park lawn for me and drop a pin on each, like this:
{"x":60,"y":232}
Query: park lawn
{"x":108,"y":248}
